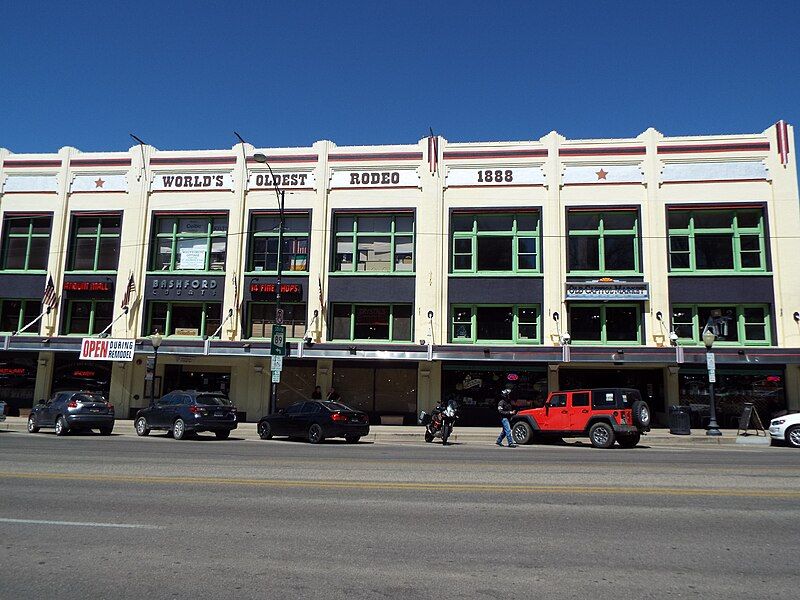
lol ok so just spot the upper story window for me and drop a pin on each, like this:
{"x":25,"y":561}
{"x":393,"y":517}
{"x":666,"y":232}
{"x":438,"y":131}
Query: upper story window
{"x":87,"y":317}
{"x":387,"y":322}
{"x":738,"y":324}
{"x":611,"y":323}
{"x":716,"y":240}
{"x":16,"y":314}
{"x":195,"y":243}
{"x":516,"y":324}
{"x":186,"y":319}
{"x":374,"y":243}
{"x":261,"y":318}
{"x":264,"y":243}
{"x":496,"y":243}
{"x":94,"y":243}
{"x":26,"y":242}
{"x":604,"y":242}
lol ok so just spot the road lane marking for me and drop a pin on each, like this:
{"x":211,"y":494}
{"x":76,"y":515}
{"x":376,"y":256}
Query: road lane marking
{"x":79,"y":524}
{"x":411,"y":486}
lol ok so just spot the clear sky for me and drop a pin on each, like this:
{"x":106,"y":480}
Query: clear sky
{"x":185,"y":75}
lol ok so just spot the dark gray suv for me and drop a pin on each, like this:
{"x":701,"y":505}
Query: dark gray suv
{"x":183,"y":413}
{"x":68,"y":411}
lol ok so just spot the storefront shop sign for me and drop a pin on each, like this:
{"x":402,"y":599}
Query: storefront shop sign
{"x":181,"y":182}
{"x":168,"y":287}
{"x":398,"y":178}
{"x":268,"y":289}
{"x":606,"y":290}
{"x":495,"y":177}
{"x":293,"y":179}
{"x":88,"y":286}
{"x":107,"y":349}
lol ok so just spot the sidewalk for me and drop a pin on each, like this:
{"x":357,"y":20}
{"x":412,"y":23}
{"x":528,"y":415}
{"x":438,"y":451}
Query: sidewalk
{"x":478,"y":435}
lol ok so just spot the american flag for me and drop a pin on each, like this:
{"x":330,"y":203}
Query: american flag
{"x":126,"y":300}
{"x":433,"y":152}
{"x":49,"y":298}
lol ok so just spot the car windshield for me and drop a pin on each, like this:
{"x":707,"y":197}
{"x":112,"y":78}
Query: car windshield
{"x":213,"y":401}
{"x":335,"y":406}
{"x":89,"y":398}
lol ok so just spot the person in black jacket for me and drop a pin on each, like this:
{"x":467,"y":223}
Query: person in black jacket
{"x":506,"y":412}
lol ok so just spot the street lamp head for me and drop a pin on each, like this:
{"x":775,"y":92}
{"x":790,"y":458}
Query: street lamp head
{"x":708,"y":338}
{"x":156,"y":339}
{"x":258,"y":157}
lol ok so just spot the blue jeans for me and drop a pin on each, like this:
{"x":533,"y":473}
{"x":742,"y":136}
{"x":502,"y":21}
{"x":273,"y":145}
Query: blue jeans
{"x":506,"y":433}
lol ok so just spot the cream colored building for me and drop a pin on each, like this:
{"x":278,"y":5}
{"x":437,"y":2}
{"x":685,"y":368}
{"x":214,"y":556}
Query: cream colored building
{"x":615,"y":246}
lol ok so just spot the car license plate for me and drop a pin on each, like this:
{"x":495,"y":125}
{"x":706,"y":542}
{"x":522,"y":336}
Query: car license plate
{"x":94,"y":410}
{"x":218,"y":414}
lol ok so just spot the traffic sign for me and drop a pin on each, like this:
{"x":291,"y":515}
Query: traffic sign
{"x":276,"y":377}
{"x":278,"y":341}
{"x":277,"y":363}
{"x":710,"y":361}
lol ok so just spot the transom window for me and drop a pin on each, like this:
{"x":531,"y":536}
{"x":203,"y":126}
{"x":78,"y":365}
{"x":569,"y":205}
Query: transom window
{"x":518,"y":324}
{"x":605,"y":323}
{"x":603,"y":242}
{"x":374,"y":243}
{"x":264,"y":243}
{"x":716,"y":240}
{"x":261,"y":318}
{"x":94,"y":244}
{"x":187,"y":319}
{"x":196,"y":243}
{"x":738,"y":324}
{"x":502,"y":243}
{"x":387,"y":322}
{"x":26,"y":241}
{"x":87,"y":317}
{"x":15,"y":314}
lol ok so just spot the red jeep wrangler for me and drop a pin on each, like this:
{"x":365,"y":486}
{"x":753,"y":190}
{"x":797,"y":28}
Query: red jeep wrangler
{"x":605,"y":415}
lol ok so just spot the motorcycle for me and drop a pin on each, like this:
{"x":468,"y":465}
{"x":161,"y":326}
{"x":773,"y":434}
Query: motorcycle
{"x":439,"y":424}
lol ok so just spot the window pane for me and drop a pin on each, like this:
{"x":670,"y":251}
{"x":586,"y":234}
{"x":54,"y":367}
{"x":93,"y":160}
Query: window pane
{"x":164,"y":256}
{"x":195,"y":226}
{"x":213,"y":319}
{"x":37,"y":256}
{"x":463,"y":263}
{"x":404,"y":224}
{"x":264,"y":224}
{"x":584,"y":323}
{"x":220,"y":225}
{"x":166,"y":225}
{"x":462,"y":323}
{"x":583,"y":253}
{"x":341,"y":322}
{"x":103,"y":314}
{"x":527,"y":262}
{"x":462,"y":245}
{"x":86,"y":226}
{"x":344,"y":254}
{"x":296,"y":224}
{"x":108,"y":259}
{"x":462,"y":222}
{"x":374,"y":254}
{"x":727,"y":330}
{"x":494,"y":322}
{"x":751,"y":260}
{"x":403,"y":253}
{"x":32,"y":309}
{"x":679,"y":261}
{"x":79,"y":317}
{"x":714,"y":251}
{"x":754,"y":315}
{"x":9,"y":318}
{"x":495,"y":253}
{"x":191,"y":254}
{"x":18,"y":225}
{"x":527,"y":324}
{"x":526,"y":245}
{"x":678,"y":219}
{"x":619,"y":253}
{"x":110,"y":225}
{"x":382,"y":224}
{"x":371,"y":323}
{"x":84,"y":254}
{"x":344,"y":224}
{"x":401,"y":326}
{"x":679,"y":243}
{"x":187,"y":318}
{"x":619,"y":220}
{"x":16,"y":248}
{"x":712,"y":219}
{"x":750,"y":242}
{"x":219,"y":246}
{"x":295,"y":254}
{"x":583,"y":221}
{"x":158,"y":318}
{"x":41,"y":225}
{"x":527,"y":222}
{"x":621,"y":323}
{"x":495,"y":222}
{"x":749,"y":218}
{"x":755,"y":333}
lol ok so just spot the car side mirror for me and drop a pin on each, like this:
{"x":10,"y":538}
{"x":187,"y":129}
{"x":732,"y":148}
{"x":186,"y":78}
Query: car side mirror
{"x":547,"y":407}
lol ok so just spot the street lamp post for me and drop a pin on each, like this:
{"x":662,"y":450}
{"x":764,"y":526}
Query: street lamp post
{"x":155,"y":339}
{"x":708,"y":340}
{"x":261,"y":158}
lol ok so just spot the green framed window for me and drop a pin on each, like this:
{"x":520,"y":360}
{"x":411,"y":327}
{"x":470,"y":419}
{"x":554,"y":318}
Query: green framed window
{"x":189,"y":243}
{"x":87,"y":317}
{"x":609,"y":323}
{"x":372,"y":322}
{"x":496,"y":243}
{"x":26,"y":242}
{"x":723,"y":241}
{"x":381,"y":243}
{"x":261,"y":318}
{"x":15,"y":314}
{"x":185,"y":319}
{"x":264,"y":243}
{"x":739,"y":324}
{"x":603,"y":242}
{"x":94,"y":243}
{"x":484,"y":323}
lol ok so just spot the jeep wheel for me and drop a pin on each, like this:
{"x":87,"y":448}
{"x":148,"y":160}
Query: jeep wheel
{"x":641,"y":414}
{"x":601,"y":435}
{"x":522,"y":432}
{"x":629,"y":440}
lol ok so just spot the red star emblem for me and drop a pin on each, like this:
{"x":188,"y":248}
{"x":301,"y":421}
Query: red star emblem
{"x":99,"y":183}
{"x":601,"y":174}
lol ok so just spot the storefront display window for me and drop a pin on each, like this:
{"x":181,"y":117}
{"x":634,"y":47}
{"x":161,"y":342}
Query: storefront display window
{"x":26,"y":241}
{"x":195,"y":243}
{"x":70,"y":374}
{"x":17,"y":380}
{"x":605,"y":323}
{"x":380,"y":390}
{"x":94,"y":243}
{"x":298,"y":380}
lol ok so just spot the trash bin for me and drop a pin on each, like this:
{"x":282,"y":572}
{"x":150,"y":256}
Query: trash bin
{"x":679,"y":420}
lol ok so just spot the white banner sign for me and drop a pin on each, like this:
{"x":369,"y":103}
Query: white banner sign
{"x":495,"y":177}
{"x":31,"y":183}
{"x":182,"y":182}
{"x":604,"y":174}
{"x":375,"y":179}
{"x":107,"y":349}
{"x":293,"y":179}
{"x":99,"y":183}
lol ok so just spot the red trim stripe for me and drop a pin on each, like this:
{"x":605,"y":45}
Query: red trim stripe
{"x":608,"y":183}
{"x":484,"y":186}
{"x":464,"y":154}
{"x":782,"y":131}
{"x":704,"y":148}
{"x":180,"y":213}
{"x":177,"y":191}
{"x":272,"y":189}
{"x":99,"y":192}
{"x":96,"y":213}
{"x":713,"y":181}
{"x":726,"y":206}
{"x":100,"y":162}
{"x":378,"y":187}
{"x":380,"y":156}
{"x":18,"y":192}
{"x":622,"y":150}
{"x":14,"y":164}
{"x":286,"y":158}
{"x":196,"y":160}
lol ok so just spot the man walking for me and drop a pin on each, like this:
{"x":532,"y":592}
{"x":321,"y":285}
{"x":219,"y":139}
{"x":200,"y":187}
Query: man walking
{"x":506,"y":412}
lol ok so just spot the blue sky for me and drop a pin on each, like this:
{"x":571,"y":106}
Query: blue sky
{"x":184,"y":75}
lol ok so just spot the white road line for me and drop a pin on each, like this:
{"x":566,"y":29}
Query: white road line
{"x":78,"y":524}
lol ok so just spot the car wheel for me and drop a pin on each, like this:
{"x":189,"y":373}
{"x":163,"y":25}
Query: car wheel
{"x":141,"y":427}
{"x":352,"y":439}
{"x":265,"y":430}
{"x":601,"y":435}
{"x":641,"y":414}
{"x":106,"y":430}
{"x":629,"y":440}
{"x":61,"y":426}
{"x":522,"y":432}
{"x":315,"y":433}
{"x":32,"y":427}
{"x":428,"y":436}
{"x":179,"y":429}
{"x":793,"y":436}
{"x":223,"y":434}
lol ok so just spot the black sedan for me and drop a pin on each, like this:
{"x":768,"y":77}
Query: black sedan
{"x":71,"y":410}
{"x":315,"y":420}
{"x":183,"y":413}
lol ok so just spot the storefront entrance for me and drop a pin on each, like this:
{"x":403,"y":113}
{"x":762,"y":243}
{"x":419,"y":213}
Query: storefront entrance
{"x":17,"y":380}
{"x":387,"y":392}
{"x":200,"y":378}
{"x":71,"y":374}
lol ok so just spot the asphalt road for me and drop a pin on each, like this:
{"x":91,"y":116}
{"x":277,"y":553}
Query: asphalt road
{"x":120,"y":517}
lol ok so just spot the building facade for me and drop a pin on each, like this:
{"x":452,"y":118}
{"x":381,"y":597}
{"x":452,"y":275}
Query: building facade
{"x":410,"y":272}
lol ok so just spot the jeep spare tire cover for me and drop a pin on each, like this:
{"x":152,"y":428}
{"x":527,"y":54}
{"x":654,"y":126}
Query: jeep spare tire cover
{"x":641,"y":414}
